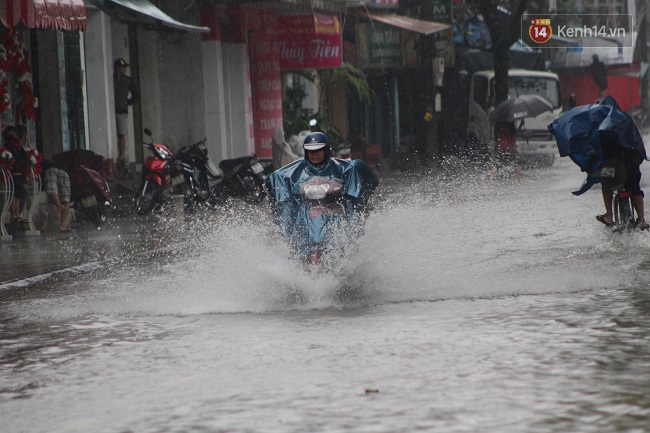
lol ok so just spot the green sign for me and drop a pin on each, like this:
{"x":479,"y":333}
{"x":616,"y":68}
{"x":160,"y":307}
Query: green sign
{"x":442,"y":11}
{"x":378,"y":45}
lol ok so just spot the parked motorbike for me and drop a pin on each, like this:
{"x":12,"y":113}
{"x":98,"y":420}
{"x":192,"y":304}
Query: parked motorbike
{"x":239,"y":177}
{"x":203,"y":171}
{"x":242,"y":177}
{"x":88,"y":182}
{"x":343,"y":151}
{"x":162,"y":172}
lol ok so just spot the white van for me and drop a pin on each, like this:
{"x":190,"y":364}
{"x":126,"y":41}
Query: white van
{"x":534,"y":142}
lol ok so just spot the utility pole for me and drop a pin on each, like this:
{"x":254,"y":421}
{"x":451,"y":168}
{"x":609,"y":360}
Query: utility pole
{"x":427,"y":54}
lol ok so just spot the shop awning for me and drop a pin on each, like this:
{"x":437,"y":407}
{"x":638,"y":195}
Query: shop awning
{"x":45,"y":14}
{"x":406,"y":23}
{"x":146,"y":11}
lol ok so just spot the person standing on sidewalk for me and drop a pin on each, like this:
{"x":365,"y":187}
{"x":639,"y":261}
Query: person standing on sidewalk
{"x":126,"y":93}
{"x":598,"y":72}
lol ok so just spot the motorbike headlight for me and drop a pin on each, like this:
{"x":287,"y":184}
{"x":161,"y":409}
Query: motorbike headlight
{"x":316,"y":192}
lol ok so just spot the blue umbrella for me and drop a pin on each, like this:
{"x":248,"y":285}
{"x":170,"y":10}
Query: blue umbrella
{"x":577,"y":133}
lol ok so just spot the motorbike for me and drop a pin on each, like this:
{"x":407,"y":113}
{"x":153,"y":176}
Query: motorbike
{"x":88,"y":173}
{"x":321,"y":210}
{"x":203,"y":171}
{"x":162,"y":172}
{"x":239,"y":177}
{"x":343,"y":151}
{"x":243,"y":177}
{"x":325,"y":212}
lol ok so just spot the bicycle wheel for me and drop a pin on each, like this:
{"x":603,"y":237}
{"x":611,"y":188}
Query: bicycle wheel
{"x":623,"y":210}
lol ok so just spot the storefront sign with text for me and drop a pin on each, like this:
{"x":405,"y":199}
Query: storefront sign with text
{"x":310,"y":41}
{"x":267,"y":100}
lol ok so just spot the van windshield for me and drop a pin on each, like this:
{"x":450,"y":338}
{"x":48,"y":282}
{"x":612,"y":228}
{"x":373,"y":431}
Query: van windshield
{"x":545,"y":87}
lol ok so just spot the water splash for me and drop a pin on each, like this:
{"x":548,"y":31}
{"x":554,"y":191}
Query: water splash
{"x":431,"y":238}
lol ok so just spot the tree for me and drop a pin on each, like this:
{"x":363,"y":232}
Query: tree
{"x":503,"y":19}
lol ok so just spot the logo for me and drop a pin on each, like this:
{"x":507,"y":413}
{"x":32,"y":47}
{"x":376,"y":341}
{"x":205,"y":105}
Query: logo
{"x":578,"y":30}
{"x":540,"y":30}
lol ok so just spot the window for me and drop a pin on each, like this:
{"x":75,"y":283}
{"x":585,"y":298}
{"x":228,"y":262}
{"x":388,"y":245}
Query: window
{"x":75,"y":120}
{"x":546,"y":87}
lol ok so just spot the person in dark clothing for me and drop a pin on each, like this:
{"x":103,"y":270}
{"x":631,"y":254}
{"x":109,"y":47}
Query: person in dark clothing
{"x":599,"y":74}
{"x":630,"y":160}
{"x":126,"y":93}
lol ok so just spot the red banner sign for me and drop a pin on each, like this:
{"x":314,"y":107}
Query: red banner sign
{"x":310,"y":41}
{"x":267,"y":87}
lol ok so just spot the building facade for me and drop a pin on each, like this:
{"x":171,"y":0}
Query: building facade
{"x":215,"y":69}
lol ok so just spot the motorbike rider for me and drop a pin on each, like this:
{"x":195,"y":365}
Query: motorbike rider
{"x":290,"y":205}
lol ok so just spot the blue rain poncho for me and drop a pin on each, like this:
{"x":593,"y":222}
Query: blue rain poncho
{"x":311,"y":233}
{"x":578,"y":136}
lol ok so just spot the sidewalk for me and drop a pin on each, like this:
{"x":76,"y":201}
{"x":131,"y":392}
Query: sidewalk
{"x":32,"y":254}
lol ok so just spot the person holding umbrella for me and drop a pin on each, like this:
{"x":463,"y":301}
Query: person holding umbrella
{"x":505,"y":150}
{"x":505,"y":116}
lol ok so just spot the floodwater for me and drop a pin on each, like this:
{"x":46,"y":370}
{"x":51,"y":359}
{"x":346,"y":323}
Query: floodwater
{"x":467,"y":306}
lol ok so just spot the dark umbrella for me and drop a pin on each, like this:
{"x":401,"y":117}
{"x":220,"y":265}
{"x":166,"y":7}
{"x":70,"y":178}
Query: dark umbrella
{"x":520,"y":107}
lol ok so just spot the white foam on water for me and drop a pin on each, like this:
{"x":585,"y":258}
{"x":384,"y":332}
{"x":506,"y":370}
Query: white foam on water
{"x":465,"y":240}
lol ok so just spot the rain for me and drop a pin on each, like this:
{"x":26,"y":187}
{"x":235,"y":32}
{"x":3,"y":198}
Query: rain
{"x":467,"y":301}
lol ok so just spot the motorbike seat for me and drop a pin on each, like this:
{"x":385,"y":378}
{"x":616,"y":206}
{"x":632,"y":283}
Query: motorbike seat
{"x":228,"y":165}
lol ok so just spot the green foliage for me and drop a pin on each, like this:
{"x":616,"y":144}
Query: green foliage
{"x":349,"y":76}
{"x":296,"y":118}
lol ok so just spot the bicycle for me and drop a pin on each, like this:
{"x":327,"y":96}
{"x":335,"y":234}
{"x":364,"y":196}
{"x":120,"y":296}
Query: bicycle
{"x":623,"y":208}
{"x":613,"y":175}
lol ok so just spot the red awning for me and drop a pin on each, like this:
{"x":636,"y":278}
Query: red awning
{"x":45,"y":14}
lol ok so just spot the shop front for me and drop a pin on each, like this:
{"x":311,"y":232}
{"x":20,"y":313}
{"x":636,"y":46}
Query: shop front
{"x":278,"y":44}
{"x":398,"y":55}
{"x":36,"y":88}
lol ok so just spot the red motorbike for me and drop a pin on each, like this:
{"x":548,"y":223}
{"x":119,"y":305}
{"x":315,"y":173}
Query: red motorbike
{"x":160,"y":172}
{"x":88,"y":182}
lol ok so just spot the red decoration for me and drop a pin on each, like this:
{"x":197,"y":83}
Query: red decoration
{"x":15,"y":58}
{"x":6,"y":159}
{"x":35,"y":158}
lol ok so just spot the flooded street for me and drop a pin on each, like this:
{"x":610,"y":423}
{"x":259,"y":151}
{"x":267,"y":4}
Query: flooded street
{"x":468,"y":306}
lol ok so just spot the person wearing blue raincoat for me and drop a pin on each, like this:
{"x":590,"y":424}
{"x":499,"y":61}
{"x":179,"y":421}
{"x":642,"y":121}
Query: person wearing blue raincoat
{"x":595,"y":136}
{"x":309,"y":231}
